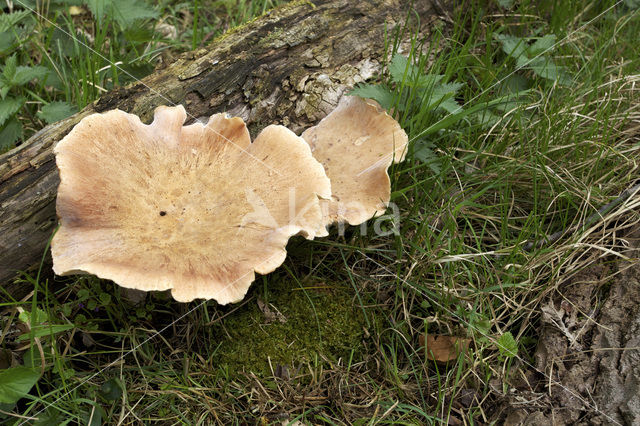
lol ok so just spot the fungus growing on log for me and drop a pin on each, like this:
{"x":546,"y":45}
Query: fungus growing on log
{"x":196,"y":209}
{"x":356,"y":143}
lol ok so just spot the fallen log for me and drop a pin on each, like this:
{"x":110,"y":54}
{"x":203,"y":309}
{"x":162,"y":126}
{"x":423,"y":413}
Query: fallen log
{"x":290,"y":66}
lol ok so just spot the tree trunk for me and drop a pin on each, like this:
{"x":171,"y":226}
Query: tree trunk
{"x":289,"y":66}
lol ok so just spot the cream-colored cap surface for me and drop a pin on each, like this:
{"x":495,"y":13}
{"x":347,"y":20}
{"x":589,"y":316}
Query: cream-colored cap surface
{"x":196,"y":209}
{"x":356,"y":143}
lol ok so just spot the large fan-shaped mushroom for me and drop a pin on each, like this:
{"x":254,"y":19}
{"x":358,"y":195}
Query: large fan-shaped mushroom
{"x":356,"y":143}
{"x":195,"y":209}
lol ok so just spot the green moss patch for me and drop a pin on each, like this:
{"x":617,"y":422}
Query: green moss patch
{"x":290,"y":325}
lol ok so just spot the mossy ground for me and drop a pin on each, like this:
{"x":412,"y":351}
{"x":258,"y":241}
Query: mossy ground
{"x":316,"y":321}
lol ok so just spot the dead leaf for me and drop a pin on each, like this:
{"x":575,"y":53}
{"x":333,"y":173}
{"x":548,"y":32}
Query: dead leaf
{"x":7,"y":359}
{"x":441,"y":348}
{"x":271,"y":313}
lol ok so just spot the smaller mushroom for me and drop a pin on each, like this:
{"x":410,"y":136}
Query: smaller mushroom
{"x":356,"y":143}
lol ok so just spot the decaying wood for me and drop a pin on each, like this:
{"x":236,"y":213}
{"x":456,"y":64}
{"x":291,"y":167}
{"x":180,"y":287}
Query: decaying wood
{"x":289,"y":66}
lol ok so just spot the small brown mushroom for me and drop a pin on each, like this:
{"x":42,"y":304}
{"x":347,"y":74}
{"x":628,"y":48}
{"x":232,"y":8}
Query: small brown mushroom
{"x":195,"y":209}
{"x":356,"y":143}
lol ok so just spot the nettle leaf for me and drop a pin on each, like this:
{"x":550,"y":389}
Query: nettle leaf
{"x":450,"y":105}
{"x":98,"y":8}
{"x":10,"y":133}
{"x":424,"y":151}
{"x":507,"y":345}
{"x":23,"y":74}
{"x":405,"y":73}
{"x":486,"y":118}
{"x":441,"y":96}
{"x":126,"y":12}
{"x":10,"y":20}
{"x":7,"y":41}
{"x":542,"y":45}
{"x":450,"y":87}
{"x":15,"y":383}
{"x":8,"y":107}
{"x":513,"y":84}
{"x":378,"y":93}
{"x":515,"y":47}
{"x":546,"y":68}
{"x":56,"y":111}
{"x":397,"y":68}
{"x":429,"y":80}
{"x":9,"y":69}
{"x":53,"y":79}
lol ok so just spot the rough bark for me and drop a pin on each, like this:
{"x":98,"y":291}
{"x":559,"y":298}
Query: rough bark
{"x":587,"y":350}
{"x":289,"y":66}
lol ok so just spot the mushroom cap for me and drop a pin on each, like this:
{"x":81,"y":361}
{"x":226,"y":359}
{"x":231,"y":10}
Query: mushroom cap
{"x":356,"y":143}
{"x":196,"y":209}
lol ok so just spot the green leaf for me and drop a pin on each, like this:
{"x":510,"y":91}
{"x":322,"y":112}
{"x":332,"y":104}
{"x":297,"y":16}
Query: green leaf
{"x":441,"y":96}
{"x":450,"y":105}
{"x":9,"y":69}
{"x":523,"y":62}
{"x":546,"y":68}
{"x":7,"y":41}
{"x":12,"y":28}
{"x":542,"y":45}
{"x":23,"y":74}
{"x":507,"y":345}
{"x":15,"y":383}
{"x":423,"y":151}
{"x":8,"y":107}
{"x":34,"y":318}
{"x":451,"y":119}
{"x":398,"y":67}
{"x":111,"y":389}
{"x":486,"y":118}
{"x":450,"y":87}
{"x":10,"y":133}
{"x":105,"y":299}
{"x":10,"y":20}
{"x":505,"y":3}
{"x":515,"y":47}
{"x":98,"y":8}
{"x":53,"y":79}
{"x":45,"y":330}
{"x":126,"y":12}
{"x":56,"y":111}
{"x":40,"y":325}
{"x":429,"y":80}
{"x":377,"y":92}
{"x":413,"y":77}
{"x":513,"y":84}
{"x":94,"y":416}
